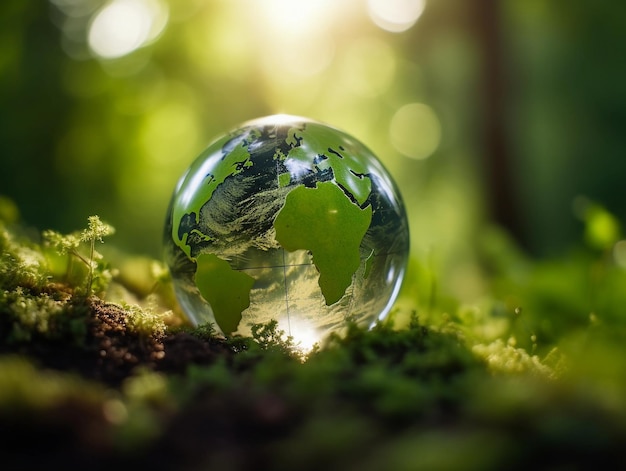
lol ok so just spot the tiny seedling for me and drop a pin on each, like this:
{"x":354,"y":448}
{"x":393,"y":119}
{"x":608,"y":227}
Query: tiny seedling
{"x":69,"y":244}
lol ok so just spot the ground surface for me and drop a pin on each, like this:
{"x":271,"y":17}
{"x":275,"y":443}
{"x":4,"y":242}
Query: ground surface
{"x":92,"y":384}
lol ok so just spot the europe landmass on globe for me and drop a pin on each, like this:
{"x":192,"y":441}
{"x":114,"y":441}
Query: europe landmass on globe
{"x":328,"y":220}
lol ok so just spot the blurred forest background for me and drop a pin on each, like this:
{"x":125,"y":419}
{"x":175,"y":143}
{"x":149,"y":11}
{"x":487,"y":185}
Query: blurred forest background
{"x":505,"y":114}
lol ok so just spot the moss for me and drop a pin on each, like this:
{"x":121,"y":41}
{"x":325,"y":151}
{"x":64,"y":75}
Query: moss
{"x":89,"y":382}
{"x":22,"y":264}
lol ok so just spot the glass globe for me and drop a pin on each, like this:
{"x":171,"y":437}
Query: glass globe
{"x":286,"y":219}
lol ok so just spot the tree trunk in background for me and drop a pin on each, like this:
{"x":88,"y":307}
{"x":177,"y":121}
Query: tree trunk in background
{"x":502,"y":197}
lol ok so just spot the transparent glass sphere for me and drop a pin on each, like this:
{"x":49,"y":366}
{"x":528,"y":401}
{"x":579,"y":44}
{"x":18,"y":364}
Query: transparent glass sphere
{"x":286,"y":219}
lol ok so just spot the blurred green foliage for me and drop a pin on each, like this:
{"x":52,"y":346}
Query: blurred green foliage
{"x":88,"y":127}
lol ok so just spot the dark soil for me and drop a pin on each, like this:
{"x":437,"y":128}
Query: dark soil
{"x":110,"y":351}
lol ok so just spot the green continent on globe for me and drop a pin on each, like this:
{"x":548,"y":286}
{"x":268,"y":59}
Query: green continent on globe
{"x":225,"y":289}
{"x":325,"y":222}
{"x":349,"y":171}
{"x":232,"y":163}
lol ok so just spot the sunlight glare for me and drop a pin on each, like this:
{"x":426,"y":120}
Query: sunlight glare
{"x":305,"y":335}
{"x":288,"y":18}
{"x":296,"y":36}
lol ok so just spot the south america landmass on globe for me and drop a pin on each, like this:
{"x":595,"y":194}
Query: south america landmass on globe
{"x":328,"y":219}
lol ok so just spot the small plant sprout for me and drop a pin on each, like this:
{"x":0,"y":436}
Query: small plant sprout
{"x":69,"y":245}
{"x":96,"y":230}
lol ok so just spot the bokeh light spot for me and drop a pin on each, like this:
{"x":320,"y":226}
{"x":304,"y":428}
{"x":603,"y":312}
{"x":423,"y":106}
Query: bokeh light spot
{"x":395,"y":15}
{"x":415,"y":131}
{"x":369,"y":67}
{"x":122,"y":26}
{"x":619,"y":253}
{"x":171,"y":129}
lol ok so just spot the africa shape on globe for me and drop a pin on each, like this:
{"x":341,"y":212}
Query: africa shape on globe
{"x":286,"y":219}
